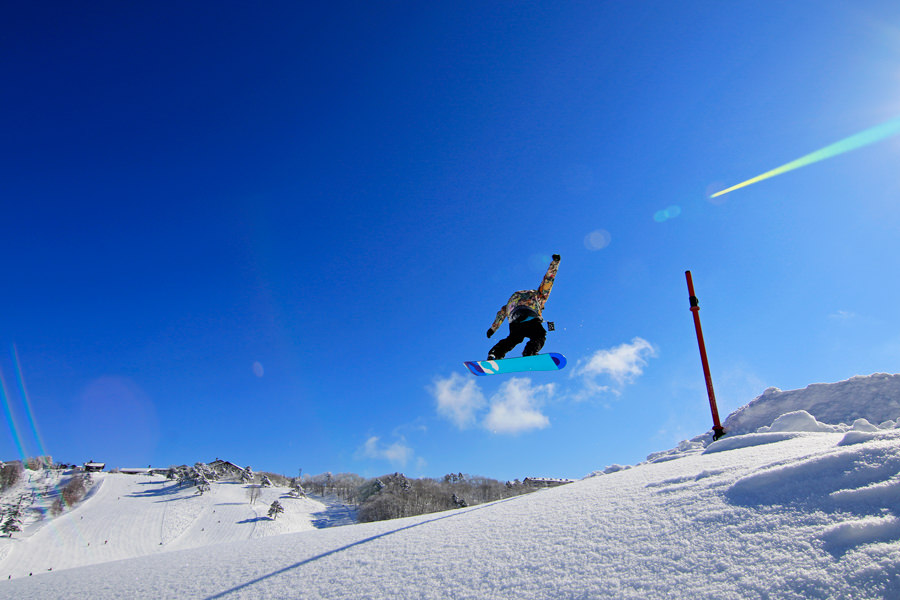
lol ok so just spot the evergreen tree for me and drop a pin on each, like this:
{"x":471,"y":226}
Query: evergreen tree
{"x":205,"y":472}
{"x":247,"y":475}
{"x":275,"y":509}
{"x":266,"y":482}
{"x":183,"y":475}
{"x":202,"y":486}
{"x":12,"y":521}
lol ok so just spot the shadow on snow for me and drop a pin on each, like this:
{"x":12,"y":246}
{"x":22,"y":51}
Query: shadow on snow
{"x":252,"y":582}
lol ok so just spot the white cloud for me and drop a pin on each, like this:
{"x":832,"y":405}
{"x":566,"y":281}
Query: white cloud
{"x":458,"y":399}
{"x":842,"y":315}
{"x":397,"y":453}
{"x":623,"y":363}
{"x":515,"y":407}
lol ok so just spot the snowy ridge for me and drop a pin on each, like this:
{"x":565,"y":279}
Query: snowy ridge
{"x":875,"y":398}
{"x":810,"y":504}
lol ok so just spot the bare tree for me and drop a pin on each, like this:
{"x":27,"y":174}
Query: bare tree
{"x":10,"y":473}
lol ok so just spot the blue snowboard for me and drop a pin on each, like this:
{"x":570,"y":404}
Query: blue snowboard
{"x":538,"y":362}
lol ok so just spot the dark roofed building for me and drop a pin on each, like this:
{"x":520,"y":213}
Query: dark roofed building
{"x":226,"y":468}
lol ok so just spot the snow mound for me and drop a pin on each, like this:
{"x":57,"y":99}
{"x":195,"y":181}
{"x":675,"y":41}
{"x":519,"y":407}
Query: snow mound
{"x":860,"y":475}
{"x":749,"y":440}
{"x":850,"y":406}
{"x":875,"y":398}
{"x":798,"y":420}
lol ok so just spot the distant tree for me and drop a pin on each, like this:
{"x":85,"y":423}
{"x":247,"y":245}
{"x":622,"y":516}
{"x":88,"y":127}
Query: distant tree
{"x":183,"y":476}
{"x":11,"y":526}
{"x":275,"y":509}
{"x":57,"y":507}
{"x":297,"y":488}
{"x":393,"y":496}
{"x":36,"y":463}
{"x":203,"y":471}
{"x":247,"y":475}
{"x":10,"y":474}
{"x":74,"y":490}
{"x":202,"y":486}
{"x":266,"y":482}
{"x":12,"y":520}
{"x":253,"y":492}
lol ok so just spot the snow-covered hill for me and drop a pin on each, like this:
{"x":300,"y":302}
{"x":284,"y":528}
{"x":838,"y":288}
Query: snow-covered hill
{"x":799,"y":509}
{"x":126,"y":516}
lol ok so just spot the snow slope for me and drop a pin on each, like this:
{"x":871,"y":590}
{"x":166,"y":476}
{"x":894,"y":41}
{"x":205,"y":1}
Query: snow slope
{"x":126,"y":516}
{"x":801,"y":509}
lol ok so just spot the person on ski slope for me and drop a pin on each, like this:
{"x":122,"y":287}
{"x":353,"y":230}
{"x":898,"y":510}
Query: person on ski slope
{"x":523,"y":309}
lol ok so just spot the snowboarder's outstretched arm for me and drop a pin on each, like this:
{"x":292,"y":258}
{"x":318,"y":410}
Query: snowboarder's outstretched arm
{"x":498,"y":321}
{"x":549,"y":278}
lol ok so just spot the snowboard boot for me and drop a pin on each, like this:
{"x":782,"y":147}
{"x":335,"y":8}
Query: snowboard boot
{"x":533,"y":346}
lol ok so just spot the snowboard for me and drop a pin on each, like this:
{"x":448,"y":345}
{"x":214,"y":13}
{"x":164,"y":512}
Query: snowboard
{"x":538,"y":362}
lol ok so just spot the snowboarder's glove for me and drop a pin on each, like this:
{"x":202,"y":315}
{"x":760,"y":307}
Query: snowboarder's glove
{"x":490,"y":332}
{"x":556,"y":257}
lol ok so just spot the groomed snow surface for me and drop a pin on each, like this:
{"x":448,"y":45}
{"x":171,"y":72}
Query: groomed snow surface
{"x":787,"y":506}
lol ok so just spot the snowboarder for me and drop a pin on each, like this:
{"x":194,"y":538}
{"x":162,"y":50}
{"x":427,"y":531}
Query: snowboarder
{"x":523,"y":309}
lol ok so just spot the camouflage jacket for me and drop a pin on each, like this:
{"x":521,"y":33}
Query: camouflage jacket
{"x":532,"y":300}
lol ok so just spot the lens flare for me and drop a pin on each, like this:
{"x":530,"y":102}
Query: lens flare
{"x":47,"y":486}
{"x":661,"y":216}
{"x":597,"y":239}
{"x":863,"y":138}
{"x":10,"y":418}
{"x":23,"y":392}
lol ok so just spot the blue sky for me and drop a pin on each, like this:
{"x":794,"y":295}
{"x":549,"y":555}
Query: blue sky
{"x":272,"y":232}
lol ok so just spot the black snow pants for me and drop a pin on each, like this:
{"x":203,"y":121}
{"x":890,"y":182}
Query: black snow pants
{"x":531,"y":329}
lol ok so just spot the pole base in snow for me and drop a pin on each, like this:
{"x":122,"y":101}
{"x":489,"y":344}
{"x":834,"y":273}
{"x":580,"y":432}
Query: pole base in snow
{"x":718,"y":432}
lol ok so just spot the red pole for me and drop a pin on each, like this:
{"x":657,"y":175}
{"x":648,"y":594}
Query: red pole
{"x":718,"y":430}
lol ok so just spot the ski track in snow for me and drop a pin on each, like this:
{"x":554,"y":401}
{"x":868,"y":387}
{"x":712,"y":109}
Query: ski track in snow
{"x":794,"y":508}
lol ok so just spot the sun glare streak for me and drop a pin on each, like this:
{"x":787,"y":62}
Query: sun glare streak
{"x":863,"y":138}
{"x":52,"y":489}
{"x":23,"y":391}
{"x":16,"y":434}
